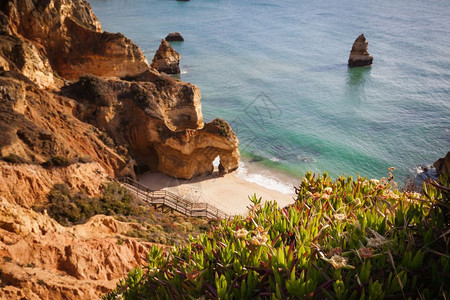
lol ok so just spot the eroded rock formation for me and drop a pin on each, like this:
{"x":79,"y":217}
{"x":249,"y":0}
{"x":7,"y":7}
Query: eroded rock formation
{"x":21,"y":56}
{"x":44,"y":260}
{"x":37,"y":125}
{"x":174,"y":37}
{"x":166,"y":59}
{"x":28,"y":185}
{"x":442,"y":165}
{"x":70,"y":35}
{"x":64,"y":37}
{"x":359,"y":57}
{"x":78,"y":106}
{"x":163,"y":136}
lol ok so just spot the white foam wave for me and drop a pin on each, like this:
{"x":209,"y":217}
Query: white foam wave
{"x":266,"y":181}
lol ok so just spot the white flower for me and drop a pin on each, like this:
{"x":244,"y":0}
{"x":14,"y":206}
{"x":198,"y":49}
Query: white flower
{"x":340,"y":217}
{"x":153,"y":271}
{"x":390,"y":194}
{"x":328,"y":190}
{"x":339,"y":262}
{"x":374,"y":181}
{"x":325,"y":196}
{"x":417,"y":195}
{"x":241,"y":233}
{"x":259,"y":239}
{"x":375,"y":242}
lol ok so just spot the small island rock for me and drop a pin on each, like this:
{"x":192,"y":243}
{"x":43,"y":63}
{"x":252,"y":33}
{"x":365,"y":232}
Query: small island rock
{"x":166,"y":59}
{"x":359,"y":57}
{"x":174,"y":37}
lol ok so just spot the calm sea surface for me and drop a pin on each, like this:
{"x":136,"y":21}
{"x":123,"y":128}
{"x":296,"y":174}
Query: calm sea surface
{"x":277,"y":71}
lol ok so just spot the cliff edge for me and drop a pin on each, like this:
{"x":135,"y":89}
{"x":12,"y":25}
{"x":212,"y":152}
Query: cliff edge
{"x":55,"y":52}
{"x":79,"y":106}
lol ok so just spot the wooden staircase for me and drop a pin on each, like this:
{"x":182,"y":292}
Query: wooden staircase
{"x":168,"y":201}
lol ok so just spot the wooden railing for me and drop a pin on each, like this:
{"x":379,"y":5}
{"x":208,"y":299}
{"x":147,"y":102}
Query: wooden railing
{"x":172,"y":201}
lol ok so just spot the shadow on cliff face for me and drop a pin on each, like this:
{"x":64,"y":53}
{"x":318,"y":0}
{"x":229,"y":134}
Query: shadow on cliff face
{"x":156,"y":118}
{"x":159,"y":119}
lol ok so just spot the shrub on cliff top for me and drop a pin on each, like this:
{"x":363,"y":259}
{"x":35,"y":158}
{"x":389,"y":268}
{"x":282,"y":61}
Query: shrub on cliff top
{"x":69,"y":208}
{"x":58,"y":161}
{"x":14,"y":159}
{"x":342,"y":239}
{"x":222,"y":126}
{"x":92,"y":89}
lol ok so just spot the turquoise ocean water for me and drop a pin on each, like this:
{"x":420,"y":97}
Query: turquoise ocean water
{"x":277,"y":71}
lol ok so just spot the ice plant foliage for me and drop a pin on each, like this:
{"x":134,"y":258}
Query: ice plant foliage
{"x":342,"y":239}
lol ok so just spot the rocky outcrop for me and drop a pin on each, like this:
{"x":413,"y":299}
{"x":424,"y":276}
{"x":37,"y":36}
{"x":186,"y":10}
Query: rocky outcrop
{"x":442,"y":165}
{"x":190,"y":153}
{"x":23,"y":57}
{"x":102,"y":124}
{"x":166,"y":59}
{"x":58,"y":125}
{"x":28,"y":185}
{"x":163,"y":135}
{"x":359,"y":57}
{"x":72,"y":39}
{"x":174,"y":37}
{"x":37,"y":125}
{"x":44,"y":260}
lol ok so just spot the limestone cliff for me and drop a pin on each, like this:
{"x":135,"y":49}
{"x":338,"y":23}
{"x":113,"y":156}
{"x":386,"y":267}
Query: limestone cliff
{"x":78,"y":106}
{"x":359,"y":57}
{"x":28,"y":185}
{"x":70,"y":35}
{"x":44,"y":260}
{"x":65,"y":38}
{"x":442,"y":165}
{"x":168,"y":136}
{"x":166,"y":59}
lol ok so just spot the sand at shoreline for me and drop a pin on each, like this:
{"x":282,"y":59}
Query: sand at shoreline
{"x":229,"y":193}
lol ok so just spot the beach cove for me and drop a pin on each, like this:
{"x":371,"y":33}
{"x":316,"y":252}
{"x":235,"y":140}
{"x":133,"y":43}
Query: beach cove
{"x":277,"y":72}
{"x":228,"y":193}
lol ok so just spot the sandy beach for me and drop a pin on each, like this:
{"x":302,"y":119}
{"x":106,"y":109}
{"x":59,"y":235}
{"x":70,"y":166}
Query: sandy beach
{"x":228,"y":193}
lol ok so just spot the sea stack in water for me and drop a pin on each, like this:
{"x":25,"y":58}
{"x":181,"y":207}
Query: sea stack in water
{"x":174,"y":37}
{"x":359,"y":57}
{"x":166,"y":59}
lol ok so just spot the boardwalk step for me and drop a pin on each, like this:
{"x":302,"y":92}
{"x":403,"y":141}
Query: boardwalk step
{"x":172,"y":201}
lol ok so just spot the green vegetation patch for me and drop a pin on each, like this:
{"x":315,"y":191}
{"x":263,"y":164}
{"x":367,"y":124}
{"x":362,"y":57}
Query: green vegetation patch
{"x":342,"y":239}
{"x":92,"y":89}
{"x":70,"y":208}
{"x":222,"y":126}
{"x":58,"y":161}
{"x":14,"y":159}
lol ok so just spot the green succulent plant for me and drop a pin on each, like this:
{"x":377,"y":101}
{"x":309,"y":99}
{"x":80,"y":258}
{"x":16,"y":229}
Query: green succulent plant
{"x":342,"y":239}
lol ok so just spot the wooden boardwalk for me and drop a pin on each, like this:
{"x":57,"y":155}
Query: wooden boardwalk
{"x":168,"y":201}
